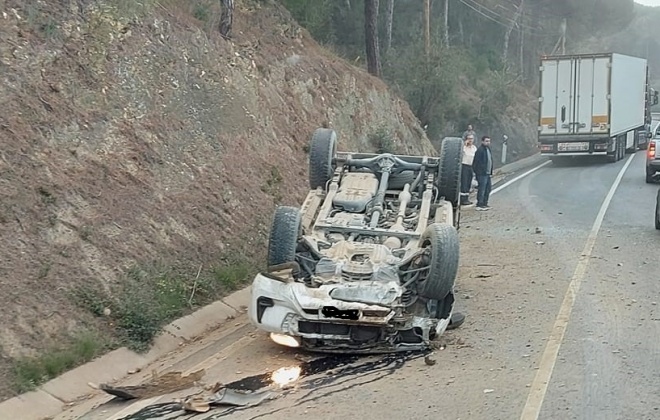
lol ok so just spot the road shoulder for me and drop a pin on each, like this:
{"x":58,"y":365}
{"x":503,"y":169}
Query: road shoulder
{"x":53,"y":397}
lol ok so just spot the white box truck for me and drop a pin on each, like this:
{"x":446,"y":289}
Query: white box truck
{"x":593,"y":104}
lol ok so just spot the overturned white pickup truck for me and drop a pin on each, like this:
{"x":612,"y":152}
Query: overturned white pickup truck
{"x":368,"y":263}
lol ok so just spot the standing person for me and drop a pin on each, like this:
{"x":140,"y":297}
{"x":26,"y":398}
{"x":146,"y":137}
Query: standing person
{"x":469,"y":132}
{"x":483,"y":169}
{"x":469,"y":149}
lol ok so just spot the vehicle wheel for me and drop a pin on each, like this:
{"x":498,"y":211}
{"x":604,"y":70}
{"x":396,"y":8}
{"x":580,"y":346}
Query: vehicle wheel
{"x":396,"y":182}
{"x":614,"y":157}
{"x":617,"y":150}
{"x":284,"y":234}
{"x":449,"y":173}
{"x":443,"y":310}
{"x":441,"y":240}
{"x":558,"y":161}
{"x":657,"y":211}
{"x":632,"y":149}
{"x":445,"y":307}
{"x":649,"y":178}
{"x":322,"y":150}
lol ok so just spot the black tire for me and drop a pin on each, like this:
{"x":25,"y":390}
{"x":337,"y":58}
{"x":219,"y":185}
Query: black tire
{"x":615,"y":155}
{"x":445,"y":307}
{"x":449,"y":173}
{"x":396,"y":182}
{"x":558,"y":161}
{"x":284,"y":234}
{"x":649,"y":178}
{"x":443,"y":310}
{"x":322,"y":150}
{"x":443,"y":244}
{"x":657,"y":211}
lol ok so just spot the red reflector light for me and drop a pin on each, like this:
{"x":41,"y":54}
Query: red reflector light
{"x":546,"y":147}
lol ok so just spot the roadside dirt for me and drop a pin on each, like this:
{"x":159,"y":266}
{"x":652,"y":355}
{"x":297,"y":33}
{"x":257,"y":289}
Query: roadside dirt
{"x":135,"y":136}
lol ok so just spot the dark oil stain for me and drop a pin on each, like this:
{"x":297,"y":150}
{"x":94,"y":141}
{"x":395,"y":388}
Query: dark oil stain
{"x":336,"y":367}
{"x":157,"y":411}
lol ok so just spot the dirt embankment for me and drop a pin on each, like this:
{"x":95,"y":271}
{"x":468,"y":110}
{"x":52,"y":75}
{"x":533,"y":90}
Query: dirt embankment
{"x":136,"y":136}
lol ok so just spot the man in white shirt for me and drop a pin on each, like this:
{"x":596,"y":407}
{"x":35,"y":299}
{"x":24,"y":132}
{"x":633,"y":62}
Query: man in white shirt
{"x":469,"y":149}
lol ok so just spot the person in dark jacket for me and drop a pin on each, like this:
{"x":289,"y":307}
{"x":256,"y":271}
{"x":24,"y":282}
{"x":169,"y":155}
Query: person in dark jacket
{"x":483,"y":169}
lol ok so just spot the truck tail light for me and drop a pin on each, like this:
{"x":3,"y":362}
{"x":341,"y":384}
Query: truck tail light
{"x":545,"y":147}
{"x":600,"y":146}
{"x":651,"y":149}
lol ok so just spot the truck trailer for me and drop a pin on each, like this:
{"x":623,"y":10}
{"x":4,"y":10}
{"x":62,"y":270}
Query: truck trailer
{"x":593,"y":104}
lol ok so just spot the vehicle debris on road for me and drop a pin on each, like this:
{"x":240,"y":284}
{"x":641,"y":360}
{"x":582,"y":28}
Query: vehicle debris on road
{"x":225,"y":397}
{"x":158,"y":385}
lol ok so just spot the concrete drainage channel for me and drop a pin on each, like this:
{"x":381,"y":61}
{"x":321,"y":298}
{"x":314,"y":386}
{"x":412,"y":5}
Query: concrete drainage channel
{"x":53,"y":397}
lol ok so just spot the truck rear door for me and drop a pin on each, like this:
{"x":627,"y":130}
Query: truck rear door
{"x":575,"y":95}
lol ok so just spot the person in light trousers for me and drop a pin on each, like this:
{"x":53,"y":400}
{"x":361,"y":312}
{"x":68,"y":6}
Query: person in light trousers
{"x":469,"y":150}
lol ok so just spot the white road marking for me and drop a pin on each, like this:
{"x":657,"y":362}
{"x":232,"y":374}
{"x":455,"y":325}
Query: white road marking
{"x":549,"y":358}
{"x":519,"y":177}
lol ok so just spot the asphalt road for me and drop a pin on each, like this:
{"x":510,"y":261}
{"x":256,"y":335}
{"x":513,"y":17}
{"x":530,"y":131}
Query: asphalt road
{"x":561,"y":293}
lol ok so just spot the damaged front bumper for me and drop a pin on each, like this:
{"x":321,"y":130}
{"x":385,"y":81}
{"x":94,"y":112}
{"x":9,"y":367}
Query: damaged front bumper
{"x":348,"y":317}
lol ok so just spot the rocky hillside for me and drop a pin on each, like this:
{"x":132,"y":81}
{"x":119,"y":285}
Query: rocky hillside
{"x":142,"y":156}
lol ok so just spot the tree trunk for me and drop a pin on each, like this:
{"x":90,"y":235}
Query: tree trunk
{"x":227,"y":18}
{"x":521,"y":52}
{"x":371,"y":36}
{"x":533,"y":44}
{"x":427,"y":26}
{"x":461,"y":31}
{"x":563,"y":36}
{"x":507,"y":34}
{"x":388,"y":24}
{"x":447,"y":23}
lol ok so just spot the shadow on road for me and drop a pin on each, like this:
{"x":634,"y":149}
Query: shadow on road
{"x":578,"y":161}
